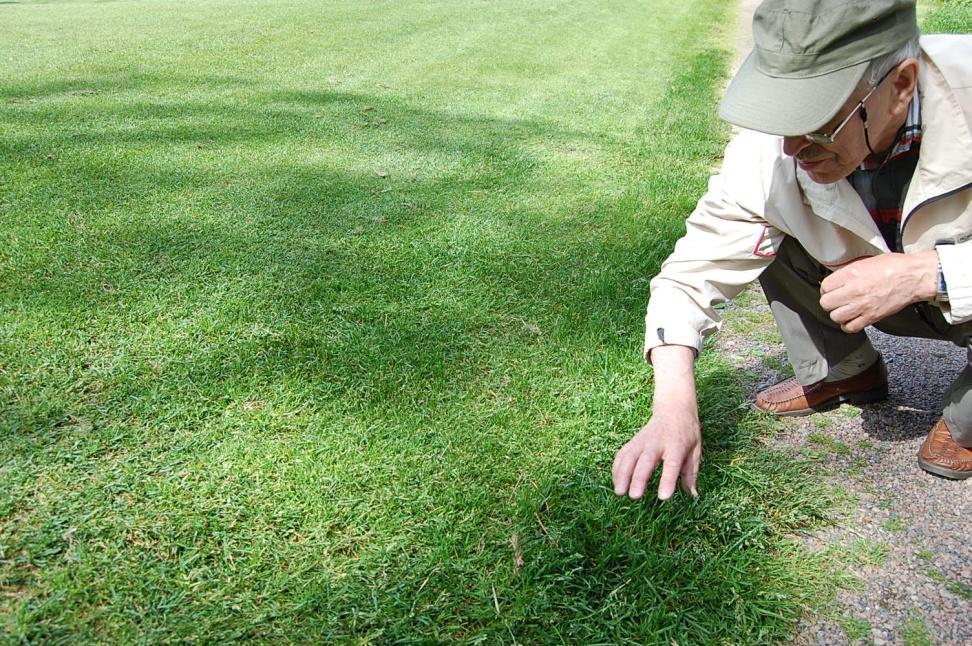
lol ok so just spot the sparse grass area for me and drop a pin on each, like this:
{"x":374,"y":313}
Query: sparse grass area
{"x":867,"y":552}
{"x":894,"y":524}
{"x":779,"y":365}
{"x":915,"y":632}
{"x":757,"y":325}
{"x":955,"y":587}
{"x":826,"y":441}
{"x":855,"y":628}
{"x":821,"y":422}
{"x":322,"y":322}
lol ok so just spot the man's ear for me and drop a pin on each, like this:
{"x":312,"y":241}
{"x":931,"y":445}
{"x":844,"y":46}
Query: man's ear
{"x":904,"y":82}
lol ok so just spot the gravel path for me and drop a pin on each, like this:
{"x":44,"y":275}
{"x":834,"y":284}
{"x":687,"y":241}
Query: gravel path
{"x":911,"y":530}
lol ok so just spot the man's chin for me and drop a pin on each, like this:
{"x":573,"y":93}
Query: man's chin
{"x":820,"y":172}
{"x":824,"y":177}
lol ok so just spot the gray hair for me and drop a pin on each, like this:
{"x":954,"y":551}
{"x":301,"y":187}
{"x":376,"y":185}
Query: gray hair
{"x":883,"y":64}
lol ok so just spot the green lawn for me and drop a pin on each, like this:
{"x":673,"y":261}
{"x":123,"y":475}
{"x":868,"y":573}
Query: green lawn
{"x":946,"y":16}
{"x":322,"y":321}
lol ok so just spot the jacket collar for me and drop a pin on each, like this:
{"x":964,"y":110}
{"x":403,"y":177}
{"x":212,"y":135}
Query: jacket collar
{"x":946,"y":140}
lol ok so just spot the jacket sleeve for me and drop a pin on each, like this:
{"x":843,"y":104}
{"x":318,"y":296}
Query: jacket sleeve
{"x":958,"y":281}
{"x":727,"y":245}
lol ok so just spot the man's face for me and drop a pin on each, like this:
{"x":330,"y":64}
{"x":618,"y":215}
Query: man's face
{"x":828,"y":163}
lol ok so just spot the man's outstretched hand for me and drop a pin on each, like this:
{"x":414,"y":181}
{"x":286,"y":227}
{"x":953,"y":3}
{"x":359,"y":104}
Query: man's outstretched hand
{"x":673,"y":436}
{"x":675,"y":440}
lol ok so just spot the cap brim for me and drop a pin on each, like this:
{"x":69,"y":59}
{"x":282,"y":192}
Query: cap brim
{"x":786,"y":106}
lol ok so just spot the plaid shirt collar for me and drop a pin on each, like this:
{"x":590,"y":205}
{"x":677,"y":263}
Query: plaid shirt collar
{"x":908,"y":137}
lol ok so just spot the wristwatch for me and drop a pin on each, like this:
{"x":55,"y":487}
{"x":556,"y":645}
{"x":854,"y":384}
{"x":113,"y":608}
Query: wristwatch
{"x":941,"y":292}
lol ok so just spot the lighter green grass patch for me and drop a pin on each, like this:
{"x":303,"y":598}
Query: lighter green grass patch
{"x":869,"y":553}
{"x":946,"y":16}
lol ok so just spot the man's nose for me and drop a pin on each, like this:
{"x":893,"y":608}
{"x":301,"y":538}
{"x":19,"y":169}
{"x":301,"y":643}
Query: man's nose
{"x":793,"y":145}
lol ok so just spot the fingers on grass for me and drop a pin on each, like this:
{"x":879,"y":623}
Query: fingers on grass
{"x":669,"y":476}
{"x":623,"y":467}
{"x":642,"y":474}
{"x":690,"y":473}
{"x":621,"y":470}
{"x":619,"y":460}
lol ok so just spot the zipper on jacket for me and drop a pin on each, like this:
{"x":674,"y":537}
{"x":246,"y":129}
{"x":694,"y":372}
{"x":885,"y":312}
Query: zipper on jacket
{"x":924,"y":204}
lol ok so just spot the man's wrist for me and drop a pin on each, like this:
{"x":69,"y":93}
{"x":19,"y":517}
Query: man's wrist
{"x":926,"y":267}
{"x":674,"y":367}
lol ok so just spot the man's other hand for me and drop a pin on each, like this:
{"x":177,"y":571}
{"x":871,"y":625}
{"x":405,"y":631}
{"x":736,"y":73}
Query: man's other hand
{"x":869,"y":290}
{"x":672,"y":437}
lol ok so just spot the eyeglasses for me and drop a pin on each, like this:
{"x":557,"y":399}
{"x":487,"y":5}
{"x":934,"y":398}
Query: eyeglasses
{"x":823,"y":138}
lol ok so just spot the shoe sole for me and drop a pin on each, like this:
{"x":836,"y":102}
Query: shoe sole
{"x":944,"y":472}
{"x":863,"y":397}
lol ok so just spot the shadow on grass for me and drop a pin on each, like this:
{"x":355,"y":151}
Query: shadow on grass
{"x":325,"y":273}
{"x":157,"y":85}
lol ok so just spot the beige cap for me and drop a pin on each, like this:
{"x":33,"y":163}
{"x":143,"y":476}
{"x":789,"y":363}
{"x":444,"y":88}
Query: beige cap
{"x":808,"y":58}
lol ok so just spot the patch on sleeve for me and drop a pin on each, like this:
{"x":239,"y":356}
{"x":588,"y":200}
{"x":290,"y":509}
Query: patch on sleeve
{"x":764,"y":246}
{"x":661,"y":334}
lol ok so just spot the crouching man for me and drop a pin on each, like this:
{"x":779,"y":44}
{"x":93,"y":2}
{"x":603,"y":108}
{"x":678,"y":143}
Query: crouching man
{"x":848,"y":195}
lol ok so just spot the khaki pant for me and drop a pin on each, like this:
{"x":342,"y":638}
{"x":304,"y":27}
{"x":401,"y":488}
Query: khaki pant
{"x":815,"y":343}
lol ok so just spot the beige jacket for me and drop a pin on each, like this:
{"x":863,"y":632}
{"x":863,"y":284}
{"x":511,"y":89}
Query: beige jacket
{"x":760,"y":196}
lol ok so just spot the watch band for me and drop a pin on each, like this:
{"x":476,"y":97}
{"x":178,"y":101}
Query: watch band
{"x":941,"y":293}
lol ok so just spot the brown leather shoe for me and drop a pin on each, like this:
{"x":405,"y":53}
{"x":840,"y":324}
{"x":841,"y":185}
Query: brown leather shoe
{"x":789,"y":399}
{"x":942,"y":456}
